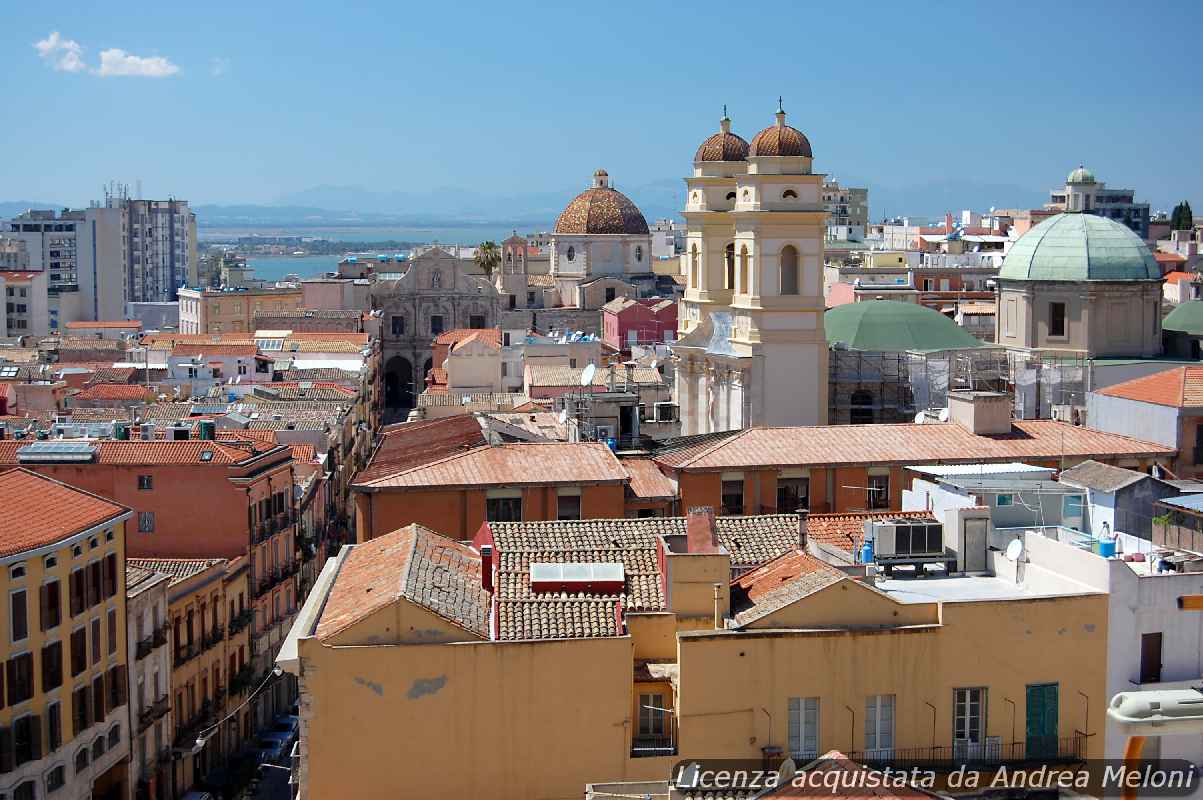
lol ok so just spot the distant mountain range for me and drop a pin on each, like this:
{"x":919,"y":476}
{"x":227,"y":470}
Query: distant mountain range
{"x":355,"y":206}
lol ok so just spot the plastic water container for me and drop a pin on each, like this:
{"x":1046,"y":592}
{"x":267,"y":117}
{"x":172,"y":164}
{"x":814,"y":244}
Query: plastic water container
{"x":866,"y":552}
{"x":1107,"y":548}
{"x":612,"y":442}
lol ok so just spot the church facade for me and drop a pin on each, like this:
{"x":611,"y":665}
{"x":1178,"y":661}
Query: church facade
{"x":752,"y":349}
{"x":435,"y":294}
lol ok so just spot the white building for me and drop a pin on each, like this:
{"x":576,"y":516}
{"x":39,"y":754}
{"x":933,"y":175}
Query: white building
{"x":26,"y":311}
{"x":752,"y":350}
{"x":149,"y":660}
{"x":668,"y":238}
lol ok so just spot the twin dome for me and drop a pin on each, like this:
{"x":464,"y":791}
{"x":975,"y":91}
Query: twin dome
{"x":778,"y":139}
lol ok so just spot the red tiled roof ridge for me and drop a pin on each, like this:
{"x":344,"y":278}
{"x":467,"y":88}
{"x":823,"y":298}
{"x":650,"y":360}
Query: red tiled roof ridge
{"x":424,"y":465}
{"x":715,"y":447}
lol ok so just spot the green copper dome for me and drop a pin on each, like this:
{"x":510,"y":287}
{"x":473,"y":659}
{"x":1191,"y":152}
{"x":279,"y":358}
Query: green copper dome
{"x":1081,"y":175}
{"x":1079,"y":247}
{"x":894,"y":326}
{"x":1186,"y":317}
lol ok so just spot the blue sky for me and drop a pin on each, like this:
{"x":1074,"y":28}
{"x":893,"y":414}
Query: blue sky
{"x":245,"y":102}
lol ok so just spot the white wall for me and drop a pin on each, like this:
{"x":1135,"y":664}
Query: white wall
{"x":1147,"y":421}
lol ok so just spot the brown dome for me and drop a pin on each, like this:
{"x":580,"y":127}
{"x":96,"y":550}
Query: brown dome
{"x":601,"y":209}
{"x":780,"y":140}
{"x":722,"y":146}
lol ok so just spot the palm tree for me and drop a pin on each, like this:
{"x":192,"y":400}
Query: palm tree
{"x":488,"y":256}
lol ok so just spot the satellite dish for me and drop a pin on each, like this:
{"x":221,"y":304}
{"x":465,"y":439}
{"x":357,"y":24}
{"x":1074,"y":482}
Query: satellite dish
{"x":1015,"y":550}
{"x":945,"y":415}
{"x":587,"y":374}
{"x":920,"y":417}
{"x":563,"y":415}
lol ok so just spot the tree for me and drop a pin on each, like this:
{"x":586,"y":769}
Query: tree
{"x":488,"y":256}
{"x":1182,"y":219}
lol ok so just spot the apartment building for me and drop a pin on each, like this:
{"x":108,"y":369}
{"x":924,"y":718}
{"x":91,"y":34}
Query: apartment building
{"x":64,"y":724}
{"x":847,"y":211}
{"x":640,"y":628}
{"x":210,"y":676}
{"x":233,"y":310}
{"x":26,"y":310}
{"x":161,"y":248}
{"x":147,"y":631}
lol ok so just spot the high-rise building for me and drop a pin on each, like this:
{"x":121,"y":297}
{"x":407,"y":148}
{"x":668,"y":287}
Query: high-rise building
{"x":847,"y":211}
{"x":160,"y":247}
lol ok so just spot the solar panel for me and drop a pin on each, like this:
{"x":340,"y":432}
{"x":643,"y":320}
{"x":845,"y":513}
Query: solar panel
{"x":57,"y":451}
{"x":9,"y":372}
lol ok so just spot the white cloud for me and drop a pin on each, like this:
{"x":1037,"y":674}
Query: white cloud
{"x":219,"y":67}
{"x":64,"y":55}
{"x":117,"y":62}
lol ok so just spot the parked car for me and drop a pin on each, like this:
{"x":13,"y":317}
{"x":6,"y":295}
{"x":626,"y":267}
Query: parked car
{"x":271,"y":748}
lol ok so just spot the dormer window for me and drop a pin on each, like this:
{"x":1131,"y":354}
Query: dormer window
{"x":789,"y":194}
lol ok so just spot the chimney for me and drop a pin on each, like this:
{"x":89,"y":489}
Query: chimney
{"x":486,"y":567}
{"x":700,"y":533}
{"x":981,"y":413}
{"x":803,"y":516}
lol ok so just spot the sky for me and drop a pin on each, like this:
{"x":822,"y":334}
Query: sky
{"x":246,"y":102}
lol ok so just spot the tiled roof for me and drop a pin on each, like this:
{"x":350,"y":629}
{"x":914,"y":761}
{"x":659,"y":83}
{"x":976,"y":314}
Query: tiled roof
{"x":847,"y":530}
{"x":539,"y":463}
{"x":780,"y":582}
{"x":135,"y":577}
{"x":39,"y":511}
{"x":98,"y":414}
{"x":302,"y":452}
{"x":487,"y":338}
{"x":601,"y":210}
{"x":540,"y":281}
{"x":119,"y":324}
{"x":1100,"y":477}
{"x":647,"y":481}
{"x":755,"y":539}
{"x":111,"y":451}
{"x":1181,"y":387}
{"x":618,"y":304}
{"x":441,"y":396}
{"x":457,"y":335}
{"x":1169,"y":258}
{"x":309,"y":390}
{"x":180,"y":569}
{"x":85,"y":343}
{"x":414,"y":563}
{"x":549,"y":375}
{"x":412,"y":444}
{"x":113,"y":374}
{"x":331,"y":374}
{"x":210,"y":350}
{"x":1174,"y":277}
{"x":112,"y":391}
{"x":903,"y":443}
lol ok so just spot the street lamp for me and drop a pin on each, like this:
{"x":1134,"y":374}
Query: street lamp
{"x":1154,"y":713}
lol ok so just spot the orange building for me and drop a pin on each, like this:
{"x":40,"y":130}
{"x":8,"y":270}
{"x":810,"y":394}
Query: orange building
{"x":451,"y":476}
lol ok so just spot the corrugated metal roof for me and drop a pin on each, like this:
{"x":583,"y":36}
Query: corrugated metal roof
{"x":541,"y":463}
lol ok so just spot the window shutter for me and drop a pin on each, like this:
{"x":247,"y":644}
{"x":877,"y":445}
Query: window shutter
{"x":13,"y":699}
{"x":6,"y":750}
{"x":44,"y":605}
{"x":122,"y":685}
{"x":35,"y":737}
{"x":98,"y":709}
{"x":47,"y":669}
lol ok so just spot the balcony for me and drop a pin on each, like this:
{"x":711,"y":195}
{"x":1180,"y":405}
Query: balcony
{"x":241,"y":620}
{"x":185,"y":654}
{"x":212,"y":638}
{"x":242,"y":680}
{"x":991,"y":753}
{"x":160,"y":635}
{"x":652,"y":746}
{"x":153,"y":712}
{"x":186,"y":733}
{"x":144,"y":648}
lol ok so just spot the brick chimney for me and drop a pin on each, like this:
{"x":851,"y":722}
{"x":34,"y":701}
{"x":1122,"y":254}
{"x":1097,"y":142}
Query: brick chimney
{"x":486,"y":567}
{"x":803,"y":516}
{"x":700,"y":533}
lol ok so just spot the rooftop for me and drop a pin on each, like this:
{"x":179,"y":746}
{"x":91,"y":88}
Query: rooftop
{"x":1181,"y":387}
{"x":647,"y":481}
{"x":112,"y":391}
{"x":901,"y":443}
{"x":1186,"y":318}
{"x":1079,"y":247}
{"x":40,"y":511}
{"x":112,"y":451}
{"x":180,"y":569}
{"x":547,"y":375}
{"x":1100,"y":477}
{"x":777,"y":583}
{"x":409,"y":445}
{"x":890,"y":326}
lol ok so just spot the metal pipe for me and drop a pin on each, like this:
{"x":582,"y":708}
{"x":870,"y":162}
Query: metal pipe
{"x":718,"y":611}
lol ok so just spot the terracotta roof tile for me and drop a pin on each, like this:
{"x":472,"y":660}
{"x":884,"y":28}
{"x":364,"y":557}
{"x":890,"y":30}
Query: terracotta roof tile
{"x":210,"y":350}
{"x":1100,"y":477}
{"x":511,"y":464}
{"x":457,"y":335}
{"x":414,"y":563}
{"x":118,"y":324}
{"x":111,"y":451}
{"x":780,"y":582}
{"x":39,"y":511}
{"x":1181,"y":387}
{"x":412,"y":444}
{"x":112,"y":391}
{"x":905,"y":443}
{"x":847,"y":531}
{"x":647,"y":481}
{"x":549,"y":375}
{"x":180,"y":569}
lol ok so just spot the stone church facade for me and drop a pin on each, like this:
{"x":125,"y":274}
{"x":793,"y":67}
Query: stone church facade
{"x":435,"y":294}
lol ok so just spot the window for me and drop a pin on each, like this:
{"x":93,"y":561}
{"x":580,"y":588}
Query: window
{"x":98,"y":748}
{"x":79,"y":582}
{"x":56,"y":779}
{"x":503,"y":509}
{"x":146,"y":483}
{"x":115,"y":735}
{"x":54,"y":726}
{"x":969,"y":716}
{"x":81,"y":760}
{"x":653,"y":715}
{"x":20,"y":678}
{"x":95,"y":641}
{"x":26,"y":791}
{"x":1004,"y":500}
{"x":146,"y":522}
{"x":861,"y":408}
{"x":1071,"y":507}
{"x":436,"y":324}
{"x":52,"y":666}
{"x":733,"y":497}
{"x":79,"y":651}
{"x":792,"y":494}
{"x":398,"y":324}
{"x":789,"y":270}
{"x":879,"y":491}
{"x":436,"y":280}
{"x":610,"y":293}
{"x":476,"y":321}
{"x":568,"y":506}
{"x":804,"y":727}
{"x":98,"y":698}
{"x":729,"y":267}
{"x":112,"y":631}
{"x":789,"y":194}
{"x":17,"y":571}
{"x":693,"y":266}
{"x":879,"y":726}
{"x":1056,"y":319}
{"x":20,"y":615}
{"x":571,"y":254}
{"x":638,"y":253}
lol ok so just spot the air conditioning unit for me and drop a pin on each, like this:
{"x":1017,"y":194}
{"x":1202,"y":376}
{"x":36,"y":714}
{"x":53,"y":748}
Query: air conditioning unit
{"x":1069,"y":413}
{"x":904,"y":538}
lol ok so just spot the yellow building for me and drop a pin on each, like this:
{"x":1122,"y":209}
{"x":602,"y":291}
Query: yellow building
{"x":233,"y":310}
{"x":63,"y":725}
{"x":208,"y":615}
{"x":553,"y":654}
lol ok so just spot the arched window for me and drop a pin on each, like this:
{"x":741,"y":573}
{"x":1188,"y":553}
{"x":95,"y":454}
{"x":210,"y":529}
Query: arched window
{"x":509,"y":256}
{"x":730,"y":195}
{"x":860,"y":411}
{"x":436,"y":279}
{"x":789,"y":194}
{"x":729,"y":267}
{"x":638,"y":253}
{"x":693,"y":267}
{"x":789,"y":270}
{"x":744,"y":274}
{"x":571,"y":254}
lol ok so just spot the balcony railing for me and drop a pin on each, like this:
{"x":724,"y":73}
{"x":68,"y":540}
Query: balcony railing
{"x":241,"y":680}
{"x":160,"y":635}
{"x":241,"y":620}
{"x":212,"y":638}
{"x":185,"y":737}
{"x":144,"y":648}
{"x":185,"y":654}
{"x":155,"y":711}
{"x":1034,"y":750}
{"x":652,"y":746}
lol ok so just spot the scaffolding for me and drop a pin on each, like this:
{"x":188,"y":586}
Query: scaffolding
{"x":1049,"y":385}
{"x":877,"y":387}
